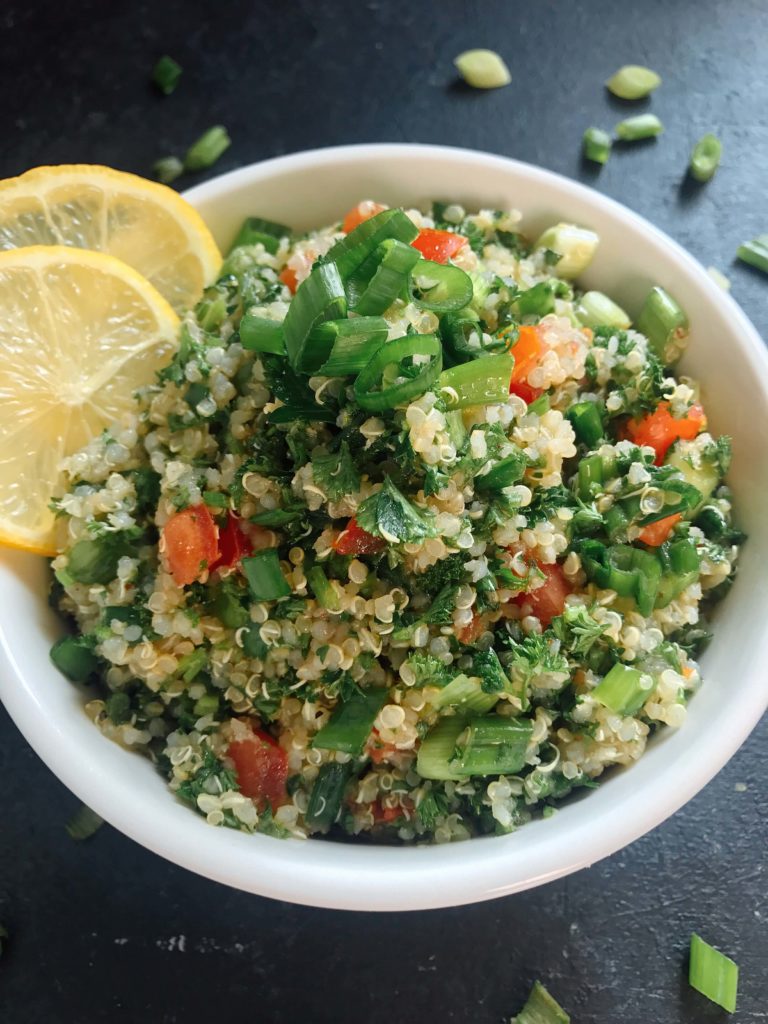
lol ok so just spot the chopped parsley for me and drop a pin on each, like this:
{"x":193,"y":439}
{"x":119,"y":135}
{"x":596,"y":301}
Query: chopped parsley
{"x":389,"y":514}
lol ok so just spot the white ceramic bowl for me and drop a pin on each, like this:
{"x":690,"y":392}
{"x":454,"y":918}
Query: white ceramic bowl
{"x":727,"y":356}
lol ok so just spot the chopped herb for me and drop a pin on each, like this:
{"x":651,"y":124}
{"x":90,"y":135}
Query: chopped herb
{"x":433,"y":805}
{"x":389,"y":514}
{"x":336,"y":474}
{"x":210,"y":777}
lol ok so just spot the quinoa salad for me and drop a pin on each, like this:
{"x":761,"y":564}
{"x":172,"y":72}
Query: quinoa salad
{"x":411,"y":538}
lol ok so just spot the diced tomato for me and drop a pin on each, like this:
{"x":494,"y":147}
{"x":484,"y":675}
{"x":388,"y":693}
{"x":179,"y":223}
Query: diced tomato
{"x":469,"y":633}
{"x":385,"y":815}
{"x":659,"y":429}
{"x":262,"y":768}
{"x":378,"y":751}
{"x":363,"y":211}
{"x":288,"y":276}
{"x":190,"y":543}
{"x":354,"y":540}
{"x":527,"y":350}
{"x":548,"y":600}
{"x":656,"y":533}
{"x":234,"y":544}
{"x":438,"y":246}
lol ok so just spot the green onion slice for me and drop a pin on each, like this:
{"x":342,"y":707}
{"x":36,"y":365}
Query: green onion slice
{"x":714,"y":975}
{"x":466,"y":693}
{"x":84,"y":823}
{"x":541,"y":1008}
{"x":382,"y":278}
{"x":166,"y":74}
{"x":633,"y":82}
{"x":492,"y":745}
{"x":440,"y":287}
{"x":353,"y":250}
{"x":353,"y":343}
{"x":642,"y":126}
{"x":390,"y":357}
{"x":256,"y":229}
{"x":575,"y":245}
{"x":755,"y":253}
{"x":705,"y":158}
{"x":327,"y":795}
{"x":483,"y":69}
{"x":480,"y":382}
{"x":323,"y":589}
{"x":260,"y":334}
{"x":168,"y":169}
{"x":433,"y":760}
{"x":208,"y":148}
{"x":505,"y":473}
{"x":351,"y":722}
{"x":319,"y":297}
{"x":596,"y":310}
{"x":624,"y":689}
{"x":264,"y":575}
{"x":73,"y":656}
{"x":597,"y":145}
{"x":586,"y":422}
{"x":664,"y":323}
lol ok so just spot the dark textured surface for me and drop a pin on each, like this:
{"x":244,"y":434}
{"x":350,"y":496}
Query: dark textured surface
{"x":106,"y":932}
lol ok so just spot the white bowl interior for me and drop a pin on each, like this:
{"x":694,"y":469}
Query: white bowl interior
{"x":728,"y":358}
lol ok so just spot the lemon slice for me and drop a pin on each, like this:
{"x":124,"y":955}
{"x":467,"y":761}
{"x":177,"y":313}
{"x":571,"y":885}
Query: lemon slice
{"x":79,"y":332}
{"x":147,"y":225}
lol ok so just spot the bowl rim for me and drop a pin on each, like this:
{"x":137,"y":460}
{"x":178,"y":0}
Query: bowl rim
{"x":356,"y":877}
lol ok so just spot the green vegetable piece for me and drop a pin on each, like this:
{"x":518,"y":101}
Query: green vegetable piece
{"x":466,"y":693}
{"x":439,"y":287}
{"x":73,"y":656}
{"x":166,"y":74}
{"x":94,"y":560}
{"x":664,"y":323}
{"x":382,"y":278}
{"x":208,"y":704}
{"x":215,"y":499}
{"x":352,"y":343}
{"x":350,"y":253}
{"x":260,"y":334}
{"x":624,"y":689}
{"x":705,"y":158}
{"x":265,"y":577}
{"x":505,"y":473}
{"x":586,"y":422}
{"x":575,"y":245}
{"x":118,"y":707}
{"x":227,"y":606}
{"x":323,"y":589}
{"x":167,"y":169}
{"x":318,"y":298}
{"x":84,"y":823}
{"x":641,"y":126}
{"x":755,"y":253}
{"x":255,"y":230}
{"x":390,"y":515}
{"x":351,"y":722}
{"x":492,"y":745}
{"x":590,"y":477}
{"x":209,"y":147}
{"x":327,"y":795}
{"x":596,"y":310}
{"x":483,"y":69}
{"x":540,"y":299}
{"x":479,"y":382}
{"x":597,"y":145}
{"x":633,"y":82}
{"x":541,"y":1008}
{"x":714,"y":975}
{"x":369,"y":388}
{"x":435,"y":754}
{"x":191,"y":665}
{"x":253,"y":645}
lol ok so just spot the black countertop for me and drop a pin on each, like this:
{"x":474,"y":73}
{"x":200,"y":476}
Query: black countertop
{"x":104,"y":931}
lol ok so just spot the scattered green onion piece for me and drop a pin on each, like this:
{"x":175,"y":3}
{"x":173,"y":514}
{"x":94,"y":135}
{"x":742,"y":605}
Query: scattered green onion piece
{"x":439,"y":287}
{"x":755,"y":253}
{"x":435,"y":754}
{"x":462,"y":335}
{"x":208,"y":148}
{"x":391,"y":355}
{"x":483,"y":69}
{"x":382,"y":278}
{"x":93,"y":560}
{"x":596,"y":310}
{"x":84,"y":823}
{"x":353,"y":343}
{"x":631,"y":572}
{"x":264,"y":575}
{"x":541,"y":1008}
{"x":664,"y":324}
{"x":719,"y":278}
{"x":624,"y":689}
{"x":255,"y":230}
{"x":590,"y":477}
{"x":166,"y":74}
{"x":480,"y":382}
{"x":351,"y":722}
{"x":641,"y":126}
{"x":327,"y":795}
{"x":539,"y":406}
{"x":705,"y":157}
{"x":260,"y":334}
{"x":633,"y":82}
{"x":228,"y":609}
{"x":586,"y":422}
{"x":597,"y":145}
{"x":540,"y":299}
{"x":713,"y":974}
{"x":681,"y":566}
{"x":74,"y":658}
{"x":168,"y":169}
{"x":575,"y":245}
{"x":319,"y":297}
{"x":465,"y":693}
{"x":208,"y":704}
{"x":492,"y":745}
{"x":350,"y":252}
{"x":323,"y":589}
{"x":505,"y":473}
